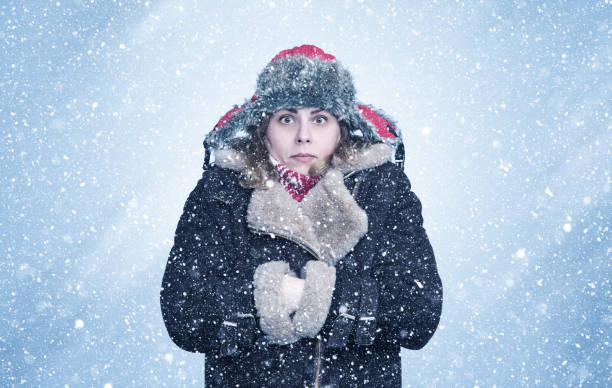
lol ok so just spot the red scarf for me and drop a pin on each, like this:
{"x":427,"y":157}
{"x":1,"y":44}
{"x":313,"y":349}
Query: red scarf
{"x":296,"y":184}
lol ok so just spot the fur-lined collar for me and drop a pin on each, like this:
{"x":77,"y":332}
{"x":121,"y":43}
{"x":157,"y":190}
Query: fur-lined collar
{"x":328,"y":222}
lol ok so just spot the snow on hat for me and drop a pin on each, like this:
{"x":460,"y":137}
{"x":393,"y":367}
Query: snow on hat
{"x":305,"y":76}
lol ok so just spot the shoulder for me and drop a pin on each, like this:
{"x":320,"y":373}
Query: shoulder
{"x":379,"y":189}
{"x":388,"y":176}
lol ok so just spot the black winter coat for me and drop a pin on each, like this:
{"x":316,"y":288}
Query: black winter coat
{"x":375,"y":260}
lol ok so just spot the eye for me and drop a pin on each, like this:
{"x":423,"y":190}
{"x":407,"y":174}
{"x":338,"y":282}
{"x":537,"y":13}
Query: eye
{"x":320,"y":119}
{"x":285,"y":119}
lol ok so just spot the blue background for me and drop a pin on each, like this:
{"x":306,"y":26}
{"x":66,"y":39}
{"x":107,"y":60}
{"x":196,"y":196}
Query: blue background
{"x":505,"y":112}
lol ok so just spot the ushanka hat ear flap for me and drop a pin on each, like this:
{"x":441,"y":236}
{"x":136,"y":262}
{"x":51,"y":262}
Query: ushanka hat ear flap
{"x":386,"y":129}
{"x":304,"y":76}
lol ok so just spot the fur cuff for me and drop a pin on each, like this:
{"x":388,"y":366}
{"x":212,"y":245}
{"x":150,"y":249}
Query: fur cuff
{"x":274,"y":319}
{"x":273,"y":314}
{"x":316,"y":300}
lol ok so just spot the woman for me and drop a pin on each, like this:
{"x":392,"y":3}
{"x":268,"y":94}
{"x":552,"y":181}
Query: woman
{"x":300,"y":258}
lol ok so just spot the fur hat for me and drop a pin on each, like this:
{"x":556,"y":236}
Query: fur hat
{"x":305,"y":76}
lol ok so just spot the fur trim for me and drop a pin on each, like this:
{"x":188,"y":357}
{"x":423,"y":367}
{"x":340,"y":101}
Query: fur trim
{"x":369,"y":157}
{"x":273,"y":314}
{"x":328,"y":221}
{"x":299,"y":81}
{"x":274,"y":319}
{"x":316,"y":299}
{"x":228,"y":158}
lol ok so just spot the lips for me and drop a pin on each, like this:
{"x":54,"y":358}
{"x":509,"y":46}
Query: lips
{"x":301,"y":155}
{"x":304,"y":158}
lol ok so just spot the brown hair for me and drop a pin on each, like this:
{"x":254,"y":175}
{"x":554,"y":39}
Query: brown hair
{"x":259,"y":168}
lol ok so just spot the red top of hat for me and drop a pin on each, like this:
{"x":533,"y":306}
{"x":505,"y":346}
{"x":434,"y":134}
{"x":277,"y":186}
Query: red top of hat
{"x":306,"y":50}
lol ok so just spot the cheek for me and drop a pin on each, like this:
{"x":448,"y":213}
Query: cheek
{"x":330,"y":143}
{"x":337,"y":142}
{"x":335,"y":138}
{"x":276,"y":142}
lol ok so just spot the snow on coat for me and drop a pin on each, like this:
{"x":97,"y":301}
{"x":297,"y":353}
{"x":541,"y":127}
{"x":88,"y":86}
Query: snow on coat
{"x":357,"y":238}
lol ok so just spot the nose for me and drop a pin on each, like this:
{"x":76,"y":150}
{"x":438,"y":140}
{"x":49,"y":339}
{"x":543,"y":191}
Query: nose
{"x":303,"y":135}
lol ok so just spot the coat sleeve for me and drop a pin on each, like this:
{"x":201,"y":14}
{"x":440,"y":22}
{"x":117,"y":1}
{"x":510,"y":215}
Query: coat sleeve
{"x":207,"y":305}
{"x":410,"y":288}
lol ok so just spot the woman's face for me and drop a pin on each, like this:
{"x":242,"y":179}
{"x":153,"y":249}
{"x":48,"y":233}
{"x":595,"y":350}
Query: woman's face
{"x":299,"y":138}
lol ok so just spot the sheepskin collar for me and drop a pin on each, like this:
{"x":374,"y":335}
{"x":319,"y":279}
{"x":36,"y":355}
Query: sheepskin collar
{"x":328,"y":221}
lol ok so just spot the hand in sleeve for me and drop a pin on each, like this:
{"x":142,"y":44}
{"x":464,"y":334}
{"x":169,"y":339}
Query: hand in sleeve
{"x":290,"y":308}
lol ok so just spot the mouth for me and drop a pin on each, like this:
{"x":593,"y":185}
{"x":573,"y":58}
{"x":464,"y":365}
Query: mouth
{"x":304,"y":158}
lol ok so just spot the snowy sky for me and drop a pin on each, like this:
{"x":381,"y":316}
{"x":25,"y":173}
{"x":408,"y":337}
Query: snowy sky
{"x":504,"y":108}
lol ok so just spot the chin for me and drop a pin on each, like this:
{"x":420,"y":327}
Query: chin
{"x":299,"y":168}
{"x":303,"y":170}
